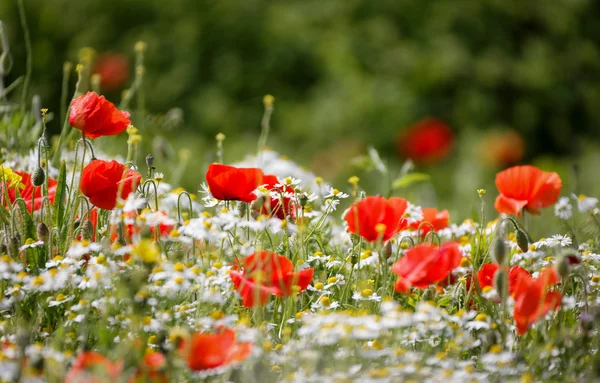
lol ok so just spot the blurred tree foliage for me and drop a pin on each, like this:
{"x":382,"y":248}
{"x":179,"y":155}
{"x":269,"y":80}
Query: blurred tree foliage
{"x":362,"y":70}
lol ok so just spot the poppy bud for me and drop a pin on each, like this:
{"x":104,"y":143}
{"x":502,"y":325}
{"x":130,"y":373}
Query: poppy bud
{"x":387,"y":250}
{"x":522,"y":240}
{"x":38,"y":177}
{"x":500,"y":283}
{"x":242,"y":208}
{"x":150,"y":160}
{"x":13,"y":246}
{"x":87,"y":230}
{"x":254,"y":214}
{"x":563,"y":266}
{"x":303,"y":199}
{"x":258,"y":203}
{"x":499,"y":251}
{"x":43,"y":234}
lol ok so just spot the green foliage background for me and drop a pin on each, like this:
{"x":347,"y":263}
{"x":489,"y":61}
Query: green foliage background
{"x":345,"y":73}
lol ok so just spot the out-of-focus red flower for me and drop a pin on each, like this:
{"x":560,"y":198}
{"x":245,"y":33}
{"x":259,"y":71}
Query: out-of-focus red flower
{"x":28,"y":191}
{"x":488,"y":271}
{"x":92,"y":367}
{"x":151,"y":369}
{"x":233,"y":184}
{"x":262,"y":274}
{"x":113,"y":69}
{"x":526,"y":187}
{"x":105,"y":181}
{"x":425,"y":264}
{"x":439,"y":220}
{"x":274,"y":206}
{"x":502,"y":149}
{"x":216,"y":350}
{"x":533,"y":299}
{"x":95,"y":116}
{"x":375,"y":218}
{"x":427,"y":141}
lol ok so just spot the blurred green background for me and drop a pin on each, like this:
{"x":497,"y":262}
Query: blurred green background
{"x":345,"y":74}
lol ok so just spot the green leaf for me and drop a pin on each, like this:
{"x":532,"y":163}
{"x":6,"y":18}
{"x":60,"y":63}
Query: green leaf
{"x":409,"y":179}
{"x":59,"y":200}
{"x":444,"y":302}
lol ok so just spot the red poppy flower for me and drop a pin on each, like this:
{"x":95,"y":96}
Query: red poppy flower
{"x":274,"y":207}
{"x":424,"y":265}
{"x":105,"y":181}
{"x":113,"y":69}
{"x":231,"y":183}
{"x":95,"y":116}
{"x":375,"y":218}
{"x":151,"y":369}
{"x":502,"y":148}
{"x":487,"y":274}
{"x":28,"y":191}
{"x":526,"y":187}
{"x":427,"y":141}
{"x":216,"y":350}
{"x":439,"y":220}
{"x":92,"y":367}
{"x":533,"y":299}
{"x":263,"y":274}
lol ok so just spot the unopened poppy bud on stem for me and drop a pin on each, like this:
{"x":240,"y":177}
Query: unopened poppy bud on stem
{"x":150,"y":160}
{"x":522,"y":240}
{"x":242,"y":208}
{"x":563,"y":266}
{"x":500,"y":283}
{"x":303,"y":199}
{"x":38,"y":177}
{"x":42,"y":232}
{"x":499,"y":252}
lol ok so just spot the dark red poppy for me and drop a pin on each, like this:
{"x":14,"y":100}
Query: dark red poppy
{"x":533,"y":299}
{"x":274,"y":205}
{"x":425,"y":264}
{"x":95,"y":116}
{"x":427,"y":141}
{"x":152,"y":369}
{"x":216,"y":350}
{"x":375,"y":218}
{"x":526,"y":187}
{"x":431,"y":217}
{"x":113,"y":69}
{"x":29,"y":190}
{"x":262,"y":274}
{"x":228,"y":183}
{"x":92,"y":367}
{"x":105,"y":181}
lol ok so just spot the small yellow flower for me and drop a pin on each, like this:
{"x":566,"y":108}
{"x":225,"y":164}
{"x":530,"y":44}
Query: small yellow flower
{"x":353,"y":180}
{"x":481,"y":192}
{"x":268,"y":100}
{"x":365,"y":293}
{"x":147,"y":250}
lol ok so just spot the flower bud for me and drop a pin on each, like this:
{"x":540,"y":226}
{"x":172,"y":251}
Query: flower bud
{"x":150,"y":160}
{"x":87,"y":230}
{"x":563,"y":267}
{"x":522,"y":240}
{"x":254,"y":214}
{"x":498,"y":252}
{"x":242,"y":209}
{"x":387,"y":249}
{"x":258,"y":203}
{"x":303,"y":199}
{"x":38,"y":177}
{"x":42,"y":232}
{"x":500,"y":283}
{"x":13,"y":247}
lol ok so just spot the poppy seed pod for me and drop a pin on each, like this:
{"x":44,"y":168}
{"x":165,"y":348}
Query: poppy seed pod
{"x":38,"y":177}
{"x":42,"y":232}
{"x":499,"y":252}
{"x":522,"y":240}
